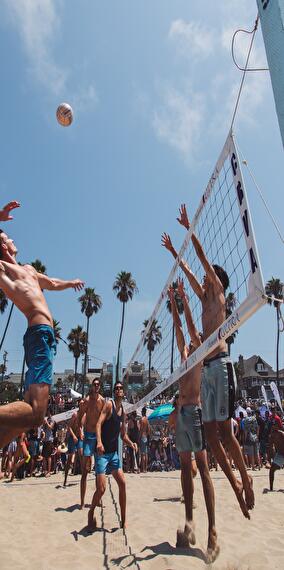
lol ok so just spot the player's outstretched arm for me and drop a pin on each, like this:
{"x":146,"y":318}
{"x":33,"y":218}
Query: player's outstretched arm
{"x":193,"y":333}
{"x":184,"y":221}
{"x":197,"y":288}
{"x":5,"y":212}
{"x":177,"y":322}
{"x":54,"y":284}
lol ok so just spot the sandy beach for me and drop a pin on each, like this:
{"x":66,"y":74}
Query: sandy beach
{"x":43,"y":528}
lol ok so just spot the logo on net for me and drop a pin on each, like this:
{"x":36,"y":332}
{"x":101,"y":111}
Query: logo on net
{"x":228,"y":326}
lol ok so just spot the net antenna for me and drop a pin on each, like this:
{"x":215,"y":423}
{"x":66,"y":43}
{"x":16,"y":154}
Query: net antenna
{"x":223,"y":225}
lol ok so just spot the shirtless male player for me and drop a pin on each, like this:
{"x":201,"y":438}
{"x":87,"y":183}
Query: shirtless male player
{"x":218,"y":376}
{"x":189,"y":430}
{"x":23,"y":286}
{"x":89,"y":412}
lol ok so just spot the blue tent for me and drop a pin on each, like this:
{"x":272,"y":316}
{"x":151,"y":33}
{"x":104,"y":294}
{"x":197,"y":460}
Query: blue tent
{"x":161,"y":412}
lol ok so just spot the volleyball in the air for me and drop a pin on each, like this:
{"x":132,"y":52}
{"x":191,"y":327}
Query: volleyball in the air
{"x":64,"y":114}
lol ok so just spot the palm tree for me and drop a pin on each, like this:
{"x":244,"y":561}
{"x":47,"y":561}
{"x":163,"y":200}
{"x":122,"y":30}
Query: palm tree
{"x":77,"y":343}
{"x":57,"y":331}
{"x":230,"y":306}
{"x":38,"y":266}
{"x":3,"y":302}
{"x":274,"y":290}
{"x":152,"y":338}
{"x":3,"y":306}
{"x":125,"y":287}
{"x":180,"y":309}
{"x":90,"y":303}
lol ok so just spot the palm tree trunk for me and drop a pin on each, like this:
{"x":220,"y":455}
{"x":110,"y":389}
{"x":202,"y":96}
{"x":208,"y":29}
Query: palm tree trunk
{"x":7,"y":325}
{"x":119,"y":342}
{"x":75,"y":372}
{"x":149,"y":371}
{"x":22,"y":378}
{"x":277,"y":345}
{"x":172,"y":349}
{"x":86,"y":358}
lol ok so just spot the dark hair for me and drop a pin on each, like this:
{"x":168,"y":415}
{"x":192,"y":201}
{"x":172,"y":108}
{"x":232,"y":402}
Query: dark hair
{"x":223,"y":276}
{"x":144,"y":410}
{"x":96,"y":380}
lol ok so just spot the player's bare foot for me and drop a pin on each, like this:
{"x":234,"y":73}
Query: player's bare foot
{"x":186,"y":538}
{"x":242,"y":503}
{"x":249,"y":494}
{"x":82,"y":506}
{"x":212,"y":548}
{"x":92,"y":522}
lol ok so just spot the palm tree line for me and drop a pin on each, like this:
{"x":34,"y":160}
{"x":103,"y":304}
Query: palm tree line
{"x":125,"y":288}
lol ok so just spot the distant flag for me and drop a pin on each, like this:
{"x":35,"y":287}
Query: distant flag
{"x":264,"y":396}
{"x":276,"y":395}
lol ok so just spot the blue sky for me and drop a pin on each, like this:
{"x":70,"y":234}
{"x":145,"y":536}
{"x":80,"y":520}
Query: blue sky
{"x":153,"y":88}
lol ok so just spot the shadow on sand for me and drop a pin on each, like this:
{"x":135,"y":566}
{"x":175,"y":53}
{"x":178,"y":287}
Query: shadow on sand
{"x":167,"y":499}
{"x":164,"y":549}
{"x":70,"y":509}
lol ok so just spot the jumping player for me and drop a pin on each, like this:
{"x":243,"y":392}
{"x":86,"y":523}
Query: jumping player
{"x":218,"y":377}
{"x":23,"y":285}
{"x":189,"y":430}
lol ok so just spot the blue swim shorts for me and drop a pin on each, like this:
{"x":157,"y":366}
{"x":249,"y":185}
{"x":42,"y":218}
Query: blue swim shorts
{"x":107,"y":463}
{"x":40,"y":349}
{"x":72,"y":446}
{"x":89,"y":444}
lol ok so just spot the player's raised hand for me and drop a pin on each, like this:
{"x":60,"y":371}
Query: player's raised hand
{"x":183,"y":219}
{"x":171,"y":293}
{"x":180,"y":288}
{"x":78,"y":285}
{"x":5,"y":212}
{"x":166,"y":241}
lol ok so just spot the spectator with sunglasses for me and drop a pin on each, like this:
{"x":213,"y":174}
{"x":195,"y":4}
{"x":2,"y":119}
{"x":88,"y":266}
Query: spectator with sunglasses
{"x":110,"y":425}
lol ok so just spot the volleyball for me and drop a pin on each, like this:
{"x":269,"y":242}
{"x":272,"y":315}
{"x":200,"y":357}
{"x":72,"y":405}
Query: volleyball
{"x":64,"y":114}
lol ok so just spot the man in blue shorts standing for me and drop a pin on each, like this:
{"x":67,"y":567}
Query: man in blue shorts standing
{"x":89,"y":412}
{"x":110,"y":424}
{"x":23,"y":285}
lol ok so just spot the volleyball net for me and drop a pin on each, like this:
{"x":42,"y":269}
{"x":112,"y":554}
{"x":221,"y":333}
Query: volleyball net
{"x":223,"y":225}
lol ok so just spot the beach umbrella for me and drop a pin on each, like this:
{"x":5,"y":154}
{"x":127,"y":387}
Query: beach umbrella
{"x":161,"y":412}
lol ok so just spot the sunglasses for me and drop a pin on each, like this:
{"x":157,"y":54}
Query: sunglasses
{"x":118,"y":388}
{"x":96,"y":384}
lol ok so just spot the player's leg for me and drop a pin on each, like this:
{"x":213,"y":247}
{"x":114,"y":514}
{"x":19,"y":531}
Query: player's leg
{"x":274,"y":467}
{"x":120,"y":479}
{"x":99,"y":492}
{"x":209,"y":496}
{"x":22,"y":416}
{"x":85,"y":471}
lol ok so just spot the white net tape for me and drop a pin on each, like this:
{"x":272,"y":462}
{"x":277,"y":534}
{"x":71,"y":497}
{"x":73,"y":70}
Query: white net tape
{"x":222,"y":224}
